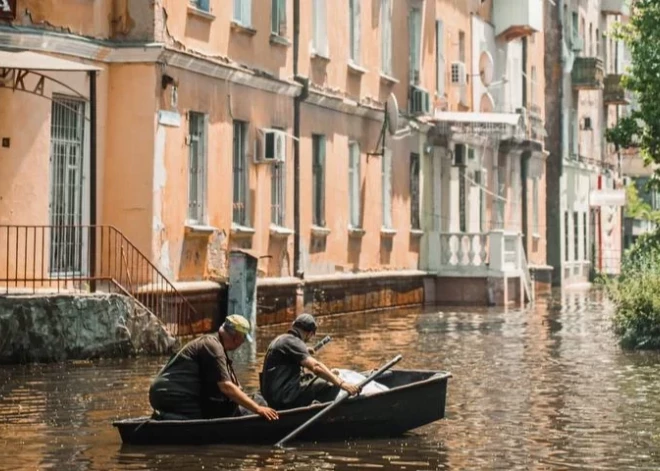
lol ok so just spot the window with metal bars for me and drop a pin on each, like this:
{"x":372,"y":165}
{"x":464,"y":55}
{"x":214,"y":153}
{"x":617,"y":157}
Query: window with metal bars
{"x":318,"y":179}
{"x":243,"y":12}
{"x":67,"y":176}
{"x":354,"y":30}
{"x":278,"y":193}
{"x":415,"y":222}
{"x":386,"y":37}
{"x":240,"y":175}
{"x":354,"y":184}
{"x":320,"y":25}
{"x":197,"y":135}
{"x":203,"y":5}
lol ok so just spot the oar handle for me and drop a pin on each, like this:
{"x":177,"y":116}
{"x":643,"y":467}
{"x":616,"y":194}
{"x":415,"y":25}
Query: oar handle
{"x":322,"y":343}
{"x":339,"y":400}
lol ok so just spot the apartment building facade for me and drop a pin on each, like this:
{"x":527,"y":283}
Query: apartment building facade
{"x":583,"y":98}
{"x":210,"y":118}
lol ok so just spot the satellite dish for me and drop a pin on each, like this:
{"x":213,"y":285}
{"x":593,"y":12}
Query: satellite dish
{"x":487,"y":104}
{"x":486,"y":68}
{"x":392,"y":112}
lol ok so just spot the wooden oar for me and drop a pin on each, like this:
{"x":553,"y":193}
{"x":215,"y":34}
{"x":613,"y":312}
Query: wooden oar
{"x":341,"y":398}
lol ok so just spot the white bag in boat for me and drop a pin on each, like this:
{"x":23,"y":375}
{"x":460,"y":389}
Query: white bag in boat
{"x":353,"y":377}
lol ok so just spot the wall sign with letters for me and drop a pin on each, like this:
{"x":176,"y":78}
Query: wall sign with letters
{"x":7,"y":9}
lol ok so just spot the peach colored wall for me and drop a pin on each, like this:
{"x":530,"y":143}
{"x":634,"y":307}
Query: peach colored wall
{"x":217,"y":37}
{"x":130,"y":19}
{"x":25,"y":173}
{"x":128,"y":176}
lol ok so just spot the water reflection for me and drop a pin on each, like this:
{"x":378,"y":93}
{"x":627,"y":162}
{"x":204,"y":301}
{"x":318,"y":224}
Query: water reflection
{"x":543,"y":388}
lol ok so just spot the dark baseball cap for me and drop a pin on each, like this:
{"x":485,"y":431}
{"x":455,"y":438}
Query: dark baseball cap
{"x":305,"y":322}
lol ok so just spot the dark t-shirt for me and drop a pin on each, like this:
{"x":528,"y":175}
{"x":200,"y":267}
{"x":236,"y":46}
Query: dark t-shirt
{"x":280,"y":380}
{"x":188,"y":384}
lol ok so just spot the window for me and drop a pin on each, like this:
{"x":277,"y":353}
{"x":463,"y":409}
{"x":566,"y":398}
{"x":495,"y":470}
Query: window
{"x":278,"y":18}
{"x":320,"y":28}
{"x":354,"y":20}
{"x":278,"y":194}
{"x":67,"y":170}
{"x":386,"y":36}
{"x":567,"y":251}
{"x":240,"y":176}
{"x":243,"y":12}
{"x":386,"y":185}
{"x":461,"y":46}
{"x":576,"y":235}
{"x":462,"y":203}
{"x":532,"y":94}
{"x":318,"y":180}
{"x":415,"y":31}
{"x":535,"y":206}
{"x":354,"y":184}
{"x":201,"y":4}
{"x":584,"y":230}
{"x":197,"y":123}
{"x":439,"y":58}
{"x":414,"y":192}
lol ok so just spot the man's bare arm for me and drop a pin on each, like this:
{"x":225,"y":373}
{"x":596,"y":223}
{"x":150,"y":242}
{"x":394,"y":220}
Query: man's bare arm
{"x":319,"y":369}
{"x":235,"y":393}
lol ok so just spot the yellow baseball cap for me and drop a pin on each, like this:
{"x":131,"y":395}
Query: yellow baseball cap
{"x":240,"y":324}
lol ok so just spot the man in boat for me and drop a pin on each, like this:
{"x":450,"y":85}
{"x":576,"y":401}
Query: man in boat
{"x":199,"y":381}
{"x":282,"y":384}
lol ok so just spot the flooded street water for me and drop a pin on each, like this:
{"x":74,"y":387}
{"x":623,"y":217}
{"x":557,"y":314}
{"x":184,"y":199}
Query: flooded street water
{"x":542,"y":388}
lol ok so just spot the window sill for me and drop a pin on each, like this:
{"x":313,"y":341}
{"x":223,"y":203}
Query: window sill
{"x":356,"y":232}
{"x":277,"y":40}
{"x":320,"y":231}
{"x":536,"y":236}
{"x":388,"y":79}
{"x":416,"y":232}
{"x":387,"y":232}
{"x":279,"y":231}
{"x":320,"y":57}
{"x":202,"y":14}
{"x":356,"y":69}
{"x":195,"y":229}
{"x":241,"y":231}
{"x":239,"y":28}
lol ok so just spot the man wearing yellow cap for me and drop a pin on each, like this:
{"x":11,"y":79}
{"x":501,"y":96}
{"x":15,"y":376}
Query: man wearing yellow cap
{"x":199,"y":381}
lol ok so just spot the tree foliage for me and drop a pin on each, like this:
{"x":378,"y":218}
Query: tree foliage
{"x":641,"y":35}
{"x":637,"y":208}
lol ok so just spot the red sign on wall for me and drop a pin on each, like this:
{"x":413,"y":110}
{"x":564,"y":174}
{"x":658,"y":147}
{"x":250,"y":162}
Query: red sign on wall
{"x":7,"y":9}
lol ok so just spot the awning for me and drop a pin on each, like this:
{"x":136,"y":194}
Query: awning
{"x":499,"y":125}
{"x":26,"y":60}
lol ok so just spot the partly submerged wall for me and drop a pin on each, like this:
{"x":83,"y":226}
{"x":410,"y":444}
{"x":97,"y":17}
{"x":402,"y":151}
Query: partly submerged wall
{"x":41,"y":328}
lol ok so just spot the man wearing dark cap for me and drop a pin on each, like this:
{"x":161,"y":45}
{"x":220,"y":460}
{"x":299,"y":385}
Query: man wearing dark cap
{"x":282,"y":384}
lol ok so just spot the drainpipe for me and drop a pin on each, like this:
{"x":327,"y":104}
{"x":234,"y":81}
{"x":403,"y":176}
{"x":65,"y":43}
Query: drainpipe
{"x":524,"y":164}
{"x":297,"y":101}
{"x":92,"y":180}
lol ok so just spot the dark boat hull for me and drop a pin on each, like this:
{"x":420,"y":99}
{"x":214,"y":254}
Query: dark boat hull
{"x":416,"y":398}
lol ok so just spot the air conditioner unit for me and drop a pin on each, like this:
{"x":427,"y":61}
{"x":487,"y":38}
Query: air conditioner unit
{"x":273,"y":146}
{"x":420,"y":101}
{"x":458,"y":73}
{"x":458,"y":157}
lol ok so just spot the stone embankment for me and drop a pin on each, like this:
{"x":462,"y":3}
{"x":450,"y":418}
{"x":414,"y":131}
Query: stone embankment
{"x":78,"y":327}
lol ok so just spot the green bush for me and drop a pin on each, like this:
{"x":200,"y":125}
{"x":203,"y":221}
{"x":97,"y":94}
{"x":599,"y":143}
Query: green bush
{"x":636,"y":295}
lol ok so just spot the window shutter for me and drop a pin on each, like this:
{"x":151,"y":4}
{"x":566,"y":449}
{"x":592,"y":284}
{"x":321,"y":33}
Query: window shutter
{"x":440,"y":57}
{"x":247,"y":12}
{"x":357,"y":20}
{"x":386,"y":40}
{"x":238,"y":11}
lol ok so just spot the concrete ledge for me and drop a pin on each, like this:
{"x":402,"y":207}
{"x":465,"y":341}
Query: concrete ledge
{"x":44,"y":328}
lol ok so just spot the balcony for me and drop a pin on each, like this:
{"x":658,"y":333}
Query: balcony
{"x":588,"y":73}
{"x":517,"y":18}
{"x":614,"y":93}
{"x":614,"y":7}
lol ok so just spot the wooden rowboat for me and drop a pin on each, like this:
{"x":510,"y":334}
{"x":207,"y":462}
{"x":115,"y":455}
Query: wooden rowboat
{"x":415,"y":398}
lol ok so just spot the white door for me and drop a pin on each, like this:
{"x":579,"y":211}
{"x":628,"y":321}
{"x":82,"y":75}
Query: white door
{"x":67,"y":241}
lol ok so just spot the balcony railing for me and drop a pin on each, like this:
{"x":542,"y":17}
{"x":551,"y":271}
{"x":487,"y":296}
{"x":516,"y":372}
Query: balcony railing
{"x":477,"y":253}
{"x":614,"y":93}
{"x":588,"y":73}
{"x":79,"y":259}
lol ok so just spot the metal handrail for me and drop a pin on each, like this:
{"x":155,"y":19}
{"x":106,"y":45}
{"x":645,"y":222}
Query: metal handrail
{"x":59,"y":257}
